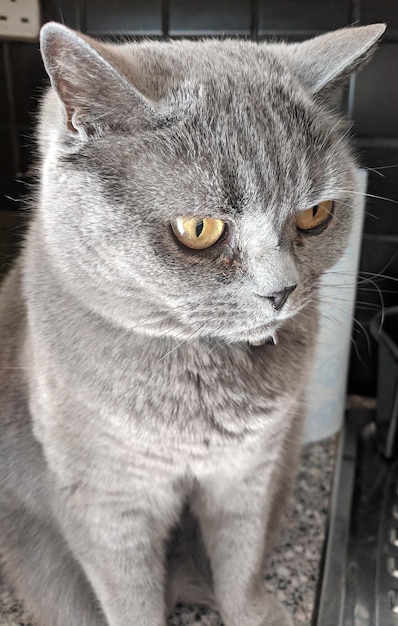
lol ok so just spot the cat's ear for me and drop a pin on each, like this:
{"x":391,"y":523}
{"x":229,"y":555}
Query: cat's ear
{"x":329,"y":60}
{"x":92,"y":90}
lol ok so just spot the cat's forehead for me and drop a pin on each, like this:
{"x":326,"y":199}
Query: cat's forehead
{"x":234,"y":130}
{"x":214,"y":73}
{"x":237,"y":99}
{"x":256,"y":151}
{"x":156,"y":67}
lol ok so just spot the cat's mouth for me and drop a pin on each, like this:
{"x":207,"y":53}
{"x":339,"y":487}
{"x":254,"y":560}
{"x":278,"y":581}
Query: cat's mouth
{"x":263,"y":335}
{"x":271,"y":340}
{"x":268,"y":331}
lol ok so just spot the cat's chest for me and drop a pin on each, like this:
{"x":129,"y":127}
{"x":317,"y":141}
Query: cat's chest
{"x":144,"y":416}
{"x":196,"y":395}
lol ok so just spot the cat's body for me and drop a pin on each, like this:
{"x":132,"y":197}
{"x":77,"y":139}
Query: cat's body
{"x":139,"y":392}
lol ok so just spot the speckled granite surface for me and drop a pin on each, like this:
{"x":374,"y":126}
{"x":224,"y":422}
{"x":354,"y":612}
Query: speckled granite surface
{"x":293,"y":571}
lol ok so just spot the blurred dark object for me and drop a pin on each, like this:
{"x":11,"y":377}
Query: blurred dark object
{"x":384,"y":328}
{"x":360,"y":573}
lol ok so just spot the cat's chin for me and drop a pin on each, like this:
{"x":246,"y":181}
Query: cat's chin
{"x":268,"y":333}
{"x":261,"y":336}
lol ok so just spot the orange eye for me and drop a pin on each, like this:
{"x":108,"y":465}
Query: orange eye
{"x":316,"y":216}
{"x":196,"y":232}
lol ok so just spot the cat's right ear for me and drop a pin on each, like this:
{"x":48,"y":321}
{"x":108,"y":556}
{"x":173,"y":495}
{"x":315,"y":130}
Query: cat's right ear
{"x":93,"y":91}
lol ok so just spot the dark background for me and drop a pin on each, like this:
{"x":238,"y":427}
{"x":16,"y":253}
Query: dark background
{"x":371,"y":103}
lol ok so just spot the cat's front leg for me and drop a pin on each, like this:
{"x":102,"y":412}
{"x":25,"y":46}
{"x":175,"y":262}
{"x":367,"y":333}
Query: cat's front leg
{"x":119,"y":540}
{"x":234,"y":518}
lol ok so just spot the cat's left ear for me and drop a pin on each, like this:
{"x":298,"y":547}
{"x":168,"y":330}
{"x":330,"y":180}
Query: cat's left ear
{"x":327,"y":61}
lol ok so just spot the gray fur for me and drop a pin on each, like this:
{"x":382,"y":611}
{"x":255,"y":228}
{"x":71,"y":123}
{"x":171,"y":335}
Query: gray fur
{"x":144,"y":440}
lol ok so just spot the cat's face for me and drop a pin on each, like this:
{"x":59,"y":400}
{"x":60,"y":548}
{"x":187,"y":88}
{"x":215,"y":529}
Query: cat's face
{"x":235,"y":188}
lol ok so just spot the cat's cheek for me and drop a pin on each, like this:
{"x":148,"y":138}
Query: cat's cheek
{"x":313,"y":248}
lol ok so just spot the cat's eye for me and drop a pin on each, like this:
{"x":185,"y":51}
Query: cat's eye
{"x":198,"y":233}
{"x":316,"y":216}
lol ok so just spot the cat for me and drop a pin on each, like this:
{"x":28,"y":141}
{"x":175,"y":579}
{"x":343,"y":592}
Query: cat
{"x":158,"y":327}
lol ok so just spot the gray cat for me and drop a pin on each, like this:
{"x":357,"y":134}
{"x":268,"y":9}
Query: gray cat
{"x":159,"y":325}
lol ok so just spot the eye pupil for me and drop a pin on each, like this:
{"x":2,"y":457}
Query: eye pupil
{"x":198,"y":233}
{"x":311,"y":219}
{"x":199,"y":228}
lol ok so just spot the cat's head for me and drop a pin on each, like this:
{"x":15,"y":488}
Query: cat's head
{"x":196,"y":188}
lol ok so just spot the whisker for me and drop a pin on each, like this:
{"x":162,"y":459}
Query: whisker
{"x":382,"y":167}
{"x":379,"y":275}
{"x":337,"y":321}
{"x":382,"y":290}
{"x":180,"y":344}
{"x":370,"y":306}
{"x":363,"y":276}
{"x":376,"y":171}
{"x":367,"y":195}
{"x":369,"y":214}
{"x":359,"y":303}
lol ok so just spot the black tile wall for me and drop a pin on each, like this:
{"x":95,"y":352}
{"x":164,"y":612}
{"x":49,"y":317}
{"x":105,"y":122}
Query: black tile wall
{"x":373,"y":11}
{"x":71,"y":13}
{"x":382,"y":205}
{"x":27,"y":151}
{"x":363,"y":361}
{"x":208,"y":17}
{"x":376,"y":95}
{"x":373,"y":106}
{"x":379,"y":261}
{"x":27,"y":74}
{"x":112,"y":18}
{"x":377,"y":288}
{"x":4,"y":92}
{"x":7,"y":169}
{"x":311,"y":16}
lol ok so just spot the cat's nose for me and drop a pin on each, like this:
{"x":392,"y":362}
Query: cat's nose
{"x":278,"y":298}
